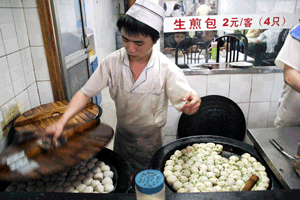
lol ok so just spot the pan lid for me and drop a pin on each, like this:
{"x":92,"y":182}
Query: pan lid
{"x":217,"y":115}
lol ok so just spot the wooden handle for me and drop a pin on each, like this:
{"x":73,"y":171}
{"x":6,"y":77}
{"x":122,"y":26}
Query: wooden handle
{"x":250,"y":183}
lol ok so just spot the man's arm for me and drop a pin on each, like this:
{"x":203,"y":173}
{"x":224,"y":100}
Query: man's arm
{"x":292,"y":77}
{"x":77,"y":104}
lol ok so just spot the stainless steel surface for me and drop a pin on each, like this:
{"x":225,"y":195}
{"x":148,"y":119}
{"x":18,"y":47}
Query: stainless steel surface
{"x":288,"y":138}
{"x":223,"y":69}
{"x":281,"y":149}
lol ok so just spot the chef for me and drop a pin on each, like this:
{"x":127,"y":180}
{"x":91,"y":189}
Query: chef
{"x":288,"y":113}
{"x":141,"y":80}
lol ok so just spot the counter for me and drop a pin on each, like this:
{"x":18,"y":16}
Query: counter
{"x":271,"y":194}
{"x":288,"y":138}
{"x":225,"y":68}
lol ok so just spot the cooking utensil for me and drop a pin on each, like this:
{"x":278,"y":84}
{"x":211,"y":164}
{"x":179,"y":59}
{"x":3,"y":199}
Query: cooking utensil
{"x":295,"y":161}
{"x":250,"y":183}
{"x":231,"y":147}
{"x":217,"y":115}
{"x":84,"y":134}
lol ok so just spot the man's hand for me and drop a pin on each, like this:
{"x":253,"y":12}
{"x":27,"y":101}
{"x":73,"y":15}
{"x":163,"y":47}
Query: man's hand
{"x":55,"y":129}
{"x":193,"y":102}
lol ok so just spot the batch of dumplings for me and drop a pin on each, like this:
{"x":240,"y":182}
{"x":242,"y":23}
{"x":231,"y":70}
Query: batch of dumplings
{"x":92,"y":176}
{"x":201,"y":168}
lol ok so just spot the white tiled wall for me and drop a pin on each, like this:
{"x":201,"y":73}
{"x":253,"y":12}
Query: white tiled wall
{"x":24,"y":75}
{"x":256,"y":94}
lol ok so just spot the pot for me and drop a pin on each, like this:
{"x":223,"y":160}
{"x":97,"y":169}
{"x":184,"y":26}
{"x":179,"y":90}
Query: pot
{"x":217,"y":115}
{"x":230,"y":147}
{"x":120,"y":168}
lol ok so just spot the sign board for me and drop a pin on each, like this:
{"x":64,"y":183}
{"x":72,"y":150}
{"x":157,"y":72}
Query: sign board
{"x":230,"y":22}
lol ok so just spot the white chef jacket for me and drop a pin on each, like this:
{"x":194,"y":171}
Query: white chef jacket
{"x":161,"y":78}
{"x":272,"y":38}
{"x":288,"y":113}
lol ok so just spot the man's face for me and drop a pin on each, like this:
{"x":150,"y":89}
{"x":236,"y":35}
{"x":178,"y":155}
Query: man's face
{"x":137,"y":47}
{"x":208,"y":36}
{"x":179,"y":37}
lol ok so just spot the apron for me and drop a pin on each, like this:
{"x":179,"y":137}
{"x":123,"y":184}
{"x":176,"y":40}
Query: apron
{"x":140,"y":116}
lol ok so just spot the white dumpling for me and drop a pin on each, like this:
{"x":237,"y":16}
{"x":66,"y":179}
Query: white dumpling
{"x":99,"y":188}
{"x":72,"y":178}
{"x":171,"y":179}
{"x":67,"y":183}
{"x":234,"y":158}
{"x":203,"y":179}
{"x":182,"y":190}
{"x":105,"y":168}
{"x":94,"y":183}
{"x":87,"y":181}
{"x":108,"y":188}
{"x":45,"y":179}
{"x":96,"y":169}
{"x":80,"y":187}
{"x":107,"y":180}
{"x":11,"y":188}
{"x":82,"y":169}
{"x":88,"y":189}
{"x":168,"y":167}
{"x":59,"y":183}
{"x":50,"y":188}
{"x":74,"y":172}
{"x":208,"y":184}
{"x":109,"y":174}
{"x":49,"y":183}
{"x":178,"y":153}
{"x":170,"y":162}
{"x":69,"y":188}
{"x":40,"y":182}
{"x":76,"y":183}
{"x":183,"y":179}
{"x":218,"y":188}
{"x":246,"y":155}
{"x":94,"y":160}
{"x":167,"y":173}
{"x":31,"y":182}
{"x":75,"y":191}
{"x":186,"y":172}
{"x":80,"y":177}
{"x":90,"y":166}
{"x":240,"y":183}
{"x":30,"y":188}
{"x":89,"y":174}
{"x":187,"y":185}
{"x":194,"y":189}
{"x":177,"y":185}
{"x":99,"y":163}
{"x":230,"y":181}
{"x":58,"y":189}
{"x":98,"y":176}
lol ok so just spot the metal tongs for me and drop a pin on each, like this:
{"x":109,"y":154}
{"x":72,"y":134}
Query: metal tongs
{"x":295,"y":161}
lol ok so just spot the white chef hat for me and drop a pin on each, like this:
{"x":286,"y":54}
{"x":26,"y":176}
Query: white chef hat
{"x":148,"y":12}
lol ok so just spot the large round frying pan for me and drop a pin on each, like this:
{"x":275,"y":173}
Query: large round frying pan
{"x":230,"y":147}
{"x":118,"y":166}
{"x":217,"y":115}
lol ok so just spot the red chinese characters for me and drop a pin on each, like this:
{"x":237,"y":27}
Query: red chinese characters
{"x":210,"y":23}
{"x":179,"y":24}
{"x":195,"y":23}
{"x":248,"y":22}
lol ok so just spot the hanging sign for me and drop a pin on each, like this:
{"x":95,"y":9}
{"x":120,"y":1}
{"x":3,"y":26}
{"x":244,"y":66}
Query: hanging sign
{"x":230,"y":22}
